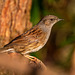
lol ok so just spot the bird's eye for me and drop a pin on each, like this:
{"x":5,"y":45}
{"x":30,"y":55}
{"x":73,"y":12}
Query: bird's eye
{"x":51,"y":19}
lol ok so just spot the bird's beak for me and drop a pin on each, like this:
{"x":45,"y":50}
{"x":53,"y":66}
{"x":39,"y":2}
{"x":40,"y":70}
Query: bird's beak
{"x":60,"y":19}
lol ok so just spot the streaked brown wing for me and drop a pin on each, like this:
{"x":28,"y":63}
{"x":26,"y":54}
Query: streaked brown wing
{"x":28,"y":41}
{"x":22,"y":43}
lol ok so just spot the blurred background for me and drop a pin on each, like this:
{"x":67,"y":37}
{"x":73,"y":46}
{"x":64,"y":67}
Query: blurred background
{"x":60,"y":46}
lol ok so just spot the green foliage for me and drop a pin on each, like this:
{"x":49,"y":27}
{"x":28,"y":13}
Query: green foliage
{"x":50,"y":1}
{"x":35,"y":12}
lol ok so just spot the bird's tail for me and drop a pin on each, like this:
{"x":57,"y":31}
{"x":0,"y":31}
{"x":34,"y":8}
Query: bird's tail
{"x":3,"y":50}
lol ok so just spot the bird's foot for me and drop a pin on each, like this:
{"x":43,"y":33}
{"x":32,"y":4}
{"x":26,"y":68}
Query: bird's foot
{"x":32,"y":58}
{"x":33,"y":61}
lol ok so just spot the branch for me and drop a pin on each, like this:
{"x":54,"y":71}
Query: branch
{"x":18,"y":64}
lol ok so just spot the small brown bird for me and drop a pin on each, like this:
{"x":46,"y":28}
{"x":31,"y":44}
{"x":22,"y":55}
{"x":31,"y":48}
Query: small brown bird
{"x":33,"y":39}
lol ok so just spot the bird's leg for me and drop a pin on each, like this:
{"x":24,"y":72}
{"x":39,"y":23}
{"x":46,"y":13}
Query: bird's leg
{"x":36,"y":61}
{"x":32,"y":58}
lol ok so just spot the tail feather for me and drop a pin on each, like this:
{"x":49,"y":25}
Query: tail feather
{"x":3,"y":50}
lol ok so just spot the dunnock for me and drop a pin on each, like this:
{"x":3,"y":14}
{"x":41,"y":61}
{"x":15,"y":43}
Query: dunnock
{"x":33,"y":39}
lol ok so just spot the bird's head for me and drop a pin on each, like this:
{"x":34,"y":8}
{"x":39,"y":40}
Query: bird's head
{"x":49,"y":21}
